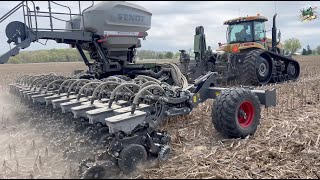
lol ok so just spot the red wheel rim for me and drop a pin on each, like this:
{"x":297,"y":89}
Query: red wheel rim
{"x":245,"y":114}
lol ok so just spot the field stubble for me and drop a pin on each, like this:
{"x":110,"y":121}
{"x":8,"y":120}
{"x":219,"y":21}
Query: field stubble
{"x":286,"y":144}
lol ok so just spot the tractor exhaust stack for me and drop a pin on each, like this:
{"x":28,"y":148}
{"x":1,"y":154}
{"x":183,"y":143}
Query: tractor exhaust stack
{"x":274,"y":35}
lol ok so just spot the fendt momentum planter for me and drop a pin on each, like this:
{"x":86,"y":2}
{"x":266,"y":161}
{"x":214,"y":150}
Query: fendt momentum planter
{"x":118,"y":103}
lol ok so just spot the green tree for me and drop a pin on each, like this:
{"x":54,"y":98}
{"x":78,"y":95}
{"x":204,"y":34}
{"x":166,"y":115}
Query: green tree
{"x":177,"y":55}
{"x":169,"y":55}
{"x":14,"y":60}
{"x":160,"y":56}
{"x":53,"y":55}
{"x":292,"y":45}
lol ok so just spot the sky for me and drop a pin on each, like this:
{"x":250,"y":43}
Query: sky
{"x":173,"y":23}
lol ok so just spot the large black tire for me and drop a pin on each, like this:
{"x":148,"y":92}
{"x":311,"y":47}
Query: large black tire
{"x":226,"y":112}
{"x":250,"y":71}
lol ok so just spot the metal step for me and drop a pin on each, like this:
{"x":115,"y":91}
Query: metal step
{"x":66,"y":107}
{"x":83,"y":99}
{"x":125,"y":122}
{"x":141,"y":107}
{"x":56,"y":96}
{"x":28,"y":95}
{"x":80,"y":111}
{"x":99,"y":114}
{"x":56,"y":102}
{"x":40,"y":98}
{"x":24,"y":90}
{"x":103,"y":100}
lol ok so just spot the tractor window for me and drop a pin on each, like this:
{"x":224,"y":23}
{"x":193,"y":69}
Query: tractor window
{"x":259,"y":31}
{"x":240,"y":32}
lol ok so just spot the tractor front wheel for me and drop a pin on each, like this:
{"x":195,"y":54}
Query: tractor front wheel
{"x":236,"y":113}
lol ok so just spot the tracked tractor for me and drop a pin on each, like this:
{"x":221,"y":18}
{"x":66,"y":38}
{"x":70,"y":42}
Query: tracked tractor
{"x":119,"y":104}
{"x":248,"y":57}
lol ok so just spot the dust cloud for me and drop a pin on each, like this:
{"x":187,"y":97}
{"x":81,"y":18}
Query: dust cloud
{"x":24,"y":152}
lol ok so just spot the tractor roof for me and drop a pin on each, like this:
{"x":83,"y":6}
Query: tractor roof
{"x":245,"y":19}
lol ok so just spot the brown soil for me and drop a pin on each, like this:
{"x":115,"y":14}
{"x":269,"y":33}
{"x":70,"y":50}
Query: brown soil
{"x":286,"y":144}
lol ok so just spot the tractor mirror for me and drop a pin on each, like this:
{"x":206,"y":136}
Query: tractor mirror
{"x":279,"y":34}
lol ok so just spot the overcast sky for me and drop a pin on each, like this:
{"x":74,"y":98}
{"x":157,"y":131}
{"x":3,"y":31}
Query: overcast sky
{"x":173,"y":22}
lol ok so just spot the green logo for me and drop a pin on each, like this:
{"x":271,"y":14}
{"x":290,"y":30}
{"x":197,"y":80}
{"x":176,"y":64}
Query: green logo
{"x":308,"y":13}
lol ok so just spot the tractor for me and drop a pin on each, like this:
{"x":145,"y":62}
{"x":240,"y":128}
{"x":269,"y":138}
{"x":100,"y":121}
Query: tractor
{"x":248,"y":57}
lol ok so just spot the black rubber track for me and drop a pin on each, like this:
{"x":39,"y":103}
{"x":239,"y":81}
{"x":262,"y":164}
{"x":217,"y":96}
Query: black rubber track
{"x":225,"y":110}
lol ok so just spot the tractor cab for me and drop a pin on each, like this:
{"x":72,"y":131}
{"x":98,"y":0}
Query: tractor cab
{"x":245,"y":32}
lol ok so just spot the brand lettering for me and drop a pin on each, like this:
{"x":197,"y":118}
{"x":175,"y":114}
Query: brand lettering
{"x":130,"y":17}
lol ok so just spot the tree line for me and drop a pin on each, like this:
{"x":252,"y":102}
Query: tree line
{"x":43,"y":56}
{"x":72,"y":55}
{"x":149,"y":54}
{"x":309,"y":51}
{"x":292,"y":45}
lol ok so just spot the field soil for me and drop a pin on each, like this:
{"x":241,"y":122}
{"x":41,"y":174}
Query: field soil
{"x":286,"y":144}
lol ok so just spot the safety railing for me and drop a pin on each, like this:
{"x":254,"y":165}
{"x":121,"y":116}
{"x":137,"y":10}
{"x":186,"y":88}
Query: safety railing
{"x":31,"y":15}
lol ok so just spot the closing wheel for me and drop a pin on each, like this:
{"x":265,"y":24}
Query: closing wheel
{"x":104,"y":130}
{"x":131,"y":157}
{"x":106,"y":170}
{"x":105,"y":140}
{"x":88,"y":131}
{"x":95,"y":172}
{"x":164,"y":153}
{"x":236,"y":113}
{"x":293,"y":70}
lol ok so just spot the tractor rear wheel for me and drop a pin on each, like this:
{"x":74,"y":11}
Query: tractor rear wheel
{"x":256,"y":69}
{"x":236,"y":113}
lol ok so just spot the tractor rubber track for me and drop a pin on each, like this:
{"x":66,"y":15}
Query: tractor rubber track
{"x":283,"y":77}
{"x":248,"y":75}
